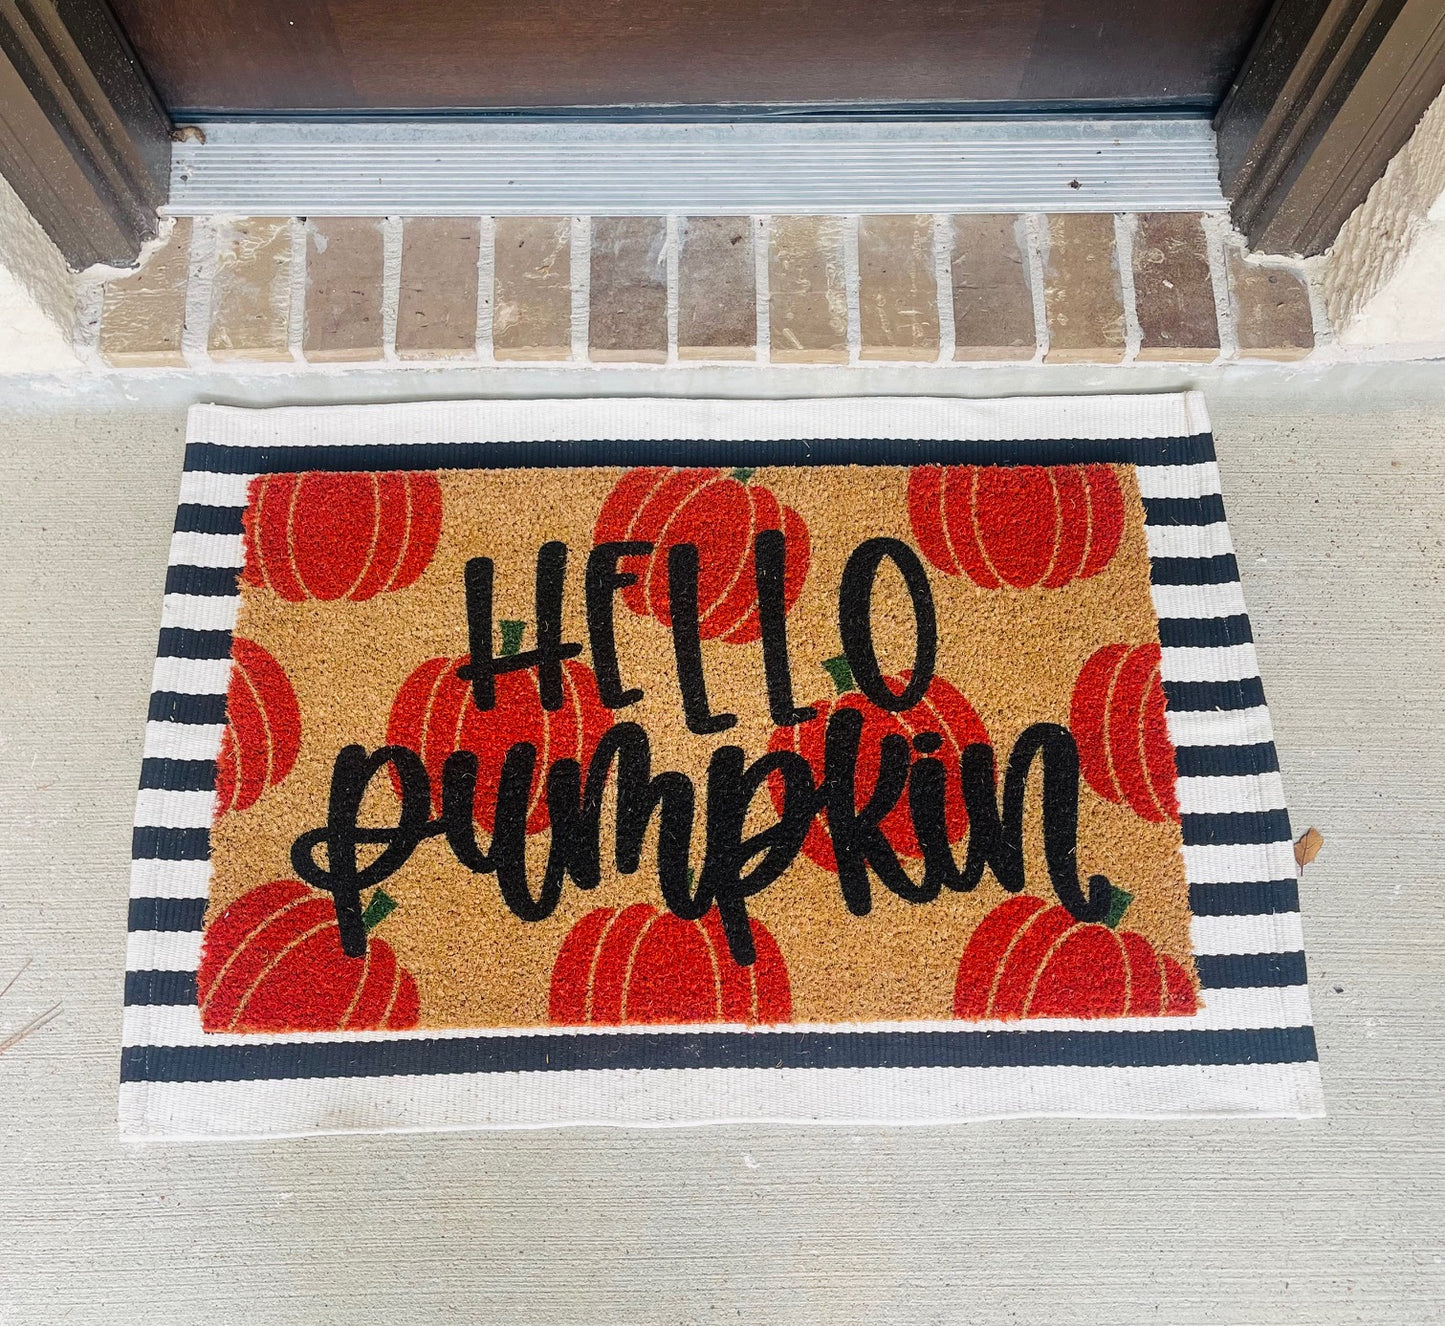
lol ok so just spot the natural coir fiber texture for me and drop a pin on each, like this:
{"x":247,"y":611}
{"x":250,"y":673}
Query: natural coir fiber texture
{"x":353,"y":622}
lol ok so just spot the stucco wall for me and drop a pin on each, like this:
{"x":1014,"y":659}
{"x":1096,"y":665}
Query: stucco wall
{"x":1383,"y":280}
{"x":37,"y":294}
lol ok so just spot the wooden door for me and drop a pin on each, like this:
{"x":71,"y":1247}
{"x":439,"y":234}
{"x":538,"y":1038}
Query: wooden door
{"x":239,"y":56}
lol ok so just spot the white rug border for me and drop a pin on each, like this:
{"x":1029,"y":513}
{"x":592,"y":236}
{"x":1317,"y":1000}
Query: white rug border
{"x":694,"y":1097}
{"x":652,"y":418}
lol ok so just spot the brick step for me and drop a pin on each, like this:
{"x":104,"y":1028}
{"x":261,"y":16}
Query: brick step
{"x":1066,"y":288}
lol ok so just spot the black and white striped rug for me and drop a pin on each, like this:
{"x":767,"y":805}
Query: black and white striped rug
{"x":1241,"y":1043}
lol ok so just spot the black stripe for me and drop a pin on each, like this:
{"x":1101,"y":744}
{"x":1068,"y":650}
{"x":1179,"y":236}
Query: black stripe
{"x":211,"y":581}
{"x":200,"y":519}
{"x":178,"y":642}
{"x":1204,"y":632}
{"x":178,"y":775}
{"x":569,"y":1052}
{"x":1196,"y":696}
{"x":159,"y":987}
{"x":1231,"y":827}
{"x":1249,"y":971}
{"x":167,"y":913}
{"x":1225,"y":761}
{"x":215,"y":458}
{"x":1207,"y":510}
{"x":1263,"y":898}
{"x":148,"y":843}
{"x":192,"y":518}
{"x":178,"y":707}
{"x":1221,"y":570}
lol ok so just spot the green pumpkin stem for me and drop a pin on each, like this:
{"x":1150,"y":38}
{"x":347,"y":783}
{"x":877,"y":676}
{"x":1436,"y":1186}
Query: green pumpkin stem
{"x":842,"y":675}
{"x":512,"y":633}
{"x":1119,"y":900}
{"x":742,"y":475}
{"x":381,"y":906}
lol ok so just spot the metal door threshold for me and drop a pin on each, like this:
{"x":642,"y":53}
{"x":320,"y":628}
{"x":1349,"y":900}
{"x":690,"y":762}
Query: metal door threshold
{"x":430,"y":168}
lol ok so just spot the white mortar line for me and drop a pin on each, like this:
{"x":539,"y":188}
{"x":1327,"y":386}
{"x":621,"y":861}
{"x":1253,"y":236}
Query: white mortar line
{"x":1310,"y":271}
{"x":486,"y":286}
{"x":943,"y":280}
{"x":1124,"y":223}
{"x":852,"y":288}
{"x":391,"y":228}
{"x":1216,"y":227}
{"x":200,"y":290}
{"x":296,"y":321}
{"x":581,"y":250}
{"x":89,"y":308}
{"x":762,"y":244}
{"x":671,"y":254}
{"x":1036,"y":234}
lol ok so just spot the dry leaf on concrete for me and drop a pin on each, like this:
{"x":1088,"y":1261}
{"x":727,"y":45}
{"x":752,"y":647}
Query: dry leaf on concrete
{"x":1308,"y":846}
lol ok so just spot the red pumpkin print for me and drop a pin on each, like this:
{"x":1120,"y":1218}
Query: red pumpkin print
{"x":1030,"y":960}
{"x":720,"y":512}
{"x":263,"y":728}
{"x":434,"y":715}
{"x":340,"y":536}
{"x":641,"y":964}
{"x":272,"y":961}
{"x":1117,"y":717}
{"x":1017,"y":525}
{"x":944,"y":710}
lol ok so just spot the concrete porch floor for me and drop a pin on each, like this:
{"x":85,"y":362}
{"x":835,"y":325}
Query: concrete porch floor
{"x":1334,"y":482}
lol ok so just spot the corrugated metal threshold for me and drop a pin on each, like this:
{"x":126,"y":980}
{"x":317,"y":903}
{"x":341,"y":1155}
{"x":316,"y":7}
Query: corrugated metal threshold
{"x":421,"y":168}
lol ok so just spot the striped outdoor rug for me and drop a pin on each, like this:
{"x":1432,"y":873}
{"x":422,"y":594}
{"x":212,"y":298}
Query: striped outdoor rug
{"x":651,"y":762}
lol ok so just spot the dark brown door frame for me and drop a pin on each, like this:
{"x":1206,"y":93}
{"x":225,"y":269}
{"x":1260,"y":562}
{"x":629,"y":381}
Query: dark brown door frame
{"x":83,"y":139}
{"x":1330,"y":92}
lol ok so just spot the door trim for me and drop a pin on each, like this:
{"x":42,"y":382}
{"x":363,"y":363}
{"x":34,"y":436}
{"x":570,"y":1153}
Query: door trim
{"x":1330,"y":92}
{"x":83,"y":139}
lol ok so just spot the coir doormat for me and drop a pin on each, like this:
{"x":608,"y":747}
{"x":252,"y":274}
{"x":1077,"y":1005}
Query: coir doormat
{"x":662,"y":762}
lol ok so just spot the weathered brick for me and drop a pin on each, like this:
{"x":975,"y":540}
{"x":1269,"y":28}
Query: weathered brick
{"x":993,"y":302}
{"x":1083,"y":295}
{"x":344,"y":257}
{"x":627,"y":318}
{"x":143,"y":315}
{"x":717,"y":301}
{"x":1173,"y":292}
{"x":897,"y":288}
{"x":436,"y":311}
{"x":251,"y":295}
{"x":807,"y":291}
{"x":532,"y":299}
{"x":1272,"y":317}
